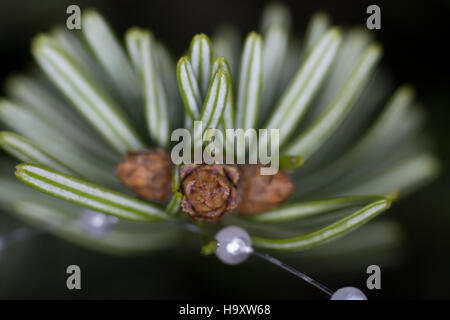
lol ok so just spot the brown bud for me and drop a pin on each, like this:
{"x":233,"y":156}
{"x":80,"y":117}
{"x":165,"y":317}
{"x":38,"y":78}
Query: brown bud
{"x":259,"y":193}
{"x":209,"y":190}
{"x":148,"y":173}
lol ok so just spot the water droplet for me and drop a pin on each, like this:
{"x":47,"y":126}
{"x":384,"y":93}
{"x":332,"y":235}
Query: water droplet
{"x":348,"y":293}
{"x":233,"y":245}
{"x":97,"y":224}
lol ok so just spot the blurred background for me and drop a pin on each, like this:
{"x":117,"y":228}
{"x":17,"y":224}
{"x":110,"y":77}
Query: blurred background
{"x":414,"y":35}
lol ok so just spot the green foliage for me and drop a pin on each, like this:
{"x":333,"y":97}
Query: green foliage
{"x":112,"y":97}
{"x":87,"y":194}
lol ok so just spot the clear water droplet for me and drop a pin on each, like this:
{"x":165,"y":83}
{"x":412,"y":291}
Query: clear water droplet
{"x":233,"y":245}
{"x":349,"y":293}
{"x":97,"y":224}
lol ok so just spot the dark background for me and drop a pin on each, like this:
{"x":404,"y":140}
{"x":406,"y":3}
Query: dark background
{"x":415,"y":39}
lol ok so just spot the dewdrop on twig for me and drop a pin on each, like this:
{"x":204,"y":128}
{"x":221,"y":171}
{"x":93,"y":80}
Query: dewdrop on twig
{"x":97,"y":224}
{"x":348,"y":293}
{"x":233,"y":245}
